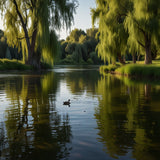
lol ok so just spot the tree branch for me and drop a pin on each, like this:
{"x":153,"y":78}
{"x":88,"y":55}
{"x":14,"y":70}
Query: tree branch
{"x":30,"y":6}
{"x":25,"y":14}
{"x":23,"y":25}
{"x":11,"y":15}
{"x":19,"y":14}
{"x":141,"y":44}
{"x":21,"y":38}
{"x":140,"y":28}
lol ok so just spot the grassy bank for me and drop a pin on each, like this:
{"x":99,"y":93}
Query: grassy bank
{"x":135,"y":70}
{"x":6,"y":64}
{"x":140,"y":70}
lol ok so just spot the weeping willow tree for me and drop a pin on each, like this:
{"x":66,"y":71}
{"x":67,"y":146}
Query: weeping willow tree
{"x":31,"y":24}
{"x":142,"y":23}
{"x":113,"y":37}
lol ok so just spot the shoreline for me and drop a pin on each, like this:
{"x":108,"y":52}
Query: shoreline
{"x":134,"y":71}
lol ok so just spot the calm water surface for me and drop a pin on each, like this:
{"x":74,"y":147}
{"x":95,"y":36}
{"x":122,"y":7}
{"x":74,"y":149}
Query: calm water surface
{"x":109,"y":117}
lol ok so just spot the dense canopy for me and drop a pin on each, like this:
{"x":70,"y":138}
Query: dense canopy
{"x":79,"y":48}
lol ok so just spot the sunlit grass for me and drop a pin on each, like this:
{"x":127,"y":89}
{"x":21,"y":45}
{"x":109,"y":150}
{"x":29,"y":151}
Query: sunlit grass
{"x":6,"y":64}
{"x":153,"y":62}
{"x":140,"y":70}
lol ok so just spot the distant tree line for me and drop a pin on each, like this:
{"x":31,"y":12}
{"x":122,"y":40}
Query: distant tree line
{"x":79,"y":48}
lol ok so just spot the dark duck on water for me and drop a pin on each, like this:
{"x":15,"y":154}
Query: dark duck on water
{"x":67,"y":102}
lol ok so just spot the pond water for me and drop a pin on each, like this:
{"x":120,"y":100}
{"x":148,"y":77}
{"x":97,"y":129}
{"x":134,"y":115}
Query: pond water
{"x":109,"y":117}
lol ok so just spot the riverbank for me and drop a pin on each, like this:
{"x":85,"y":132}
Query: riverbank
{"x":137,"y":71}
{"x":6,"y":64}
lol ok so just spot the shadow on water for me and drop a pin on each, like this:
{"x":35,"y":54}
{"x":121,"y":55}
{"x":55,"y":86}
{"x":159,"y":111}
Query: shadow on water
{"x":33,"y":129}
{"x":128,"y":118}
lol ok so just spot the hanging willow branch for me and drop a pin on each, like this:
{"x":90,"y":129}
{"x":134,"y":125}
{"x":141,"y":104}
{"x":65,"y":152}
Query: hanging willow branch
{"x":40,"y":19}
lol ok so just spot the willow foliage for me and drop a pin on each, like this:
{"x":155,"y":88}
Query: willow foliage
{"x":132,"y":24}
{"x":98,"y":14}
{"x":31,"y":25}
{"x":112,"y":33}
{"x":142,"y":23}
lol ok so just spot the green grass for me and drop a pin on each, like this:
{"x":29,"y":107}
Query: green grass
{"x":6,"y":64}
{"x":140,"y":70}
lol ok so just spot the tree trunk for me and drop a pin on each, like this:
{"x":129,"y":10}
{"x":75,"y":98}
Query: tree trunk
{"x":138,"y":57}
{"x":148,"y":56}
{"x":121,"y":60}
{"x":34,"y":57}
{"x":134,"y":58}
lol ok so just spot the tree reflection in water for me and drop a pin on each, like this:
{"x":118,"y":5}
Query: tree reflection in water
{"x":128,"y":118}
{"x":127,"y":115}
{"x":33,"y":128}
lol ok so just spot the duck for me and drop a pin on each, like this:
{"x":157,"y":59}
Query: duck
{"x":67,"y":102}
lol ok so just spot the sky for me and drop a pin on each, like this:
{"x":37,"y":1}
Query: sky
{"x":82,"y":18}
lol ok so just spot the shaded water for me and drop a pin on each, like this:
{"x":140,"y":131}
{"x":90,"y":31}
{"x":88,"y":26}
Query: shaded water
{"x":109,"y":117}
